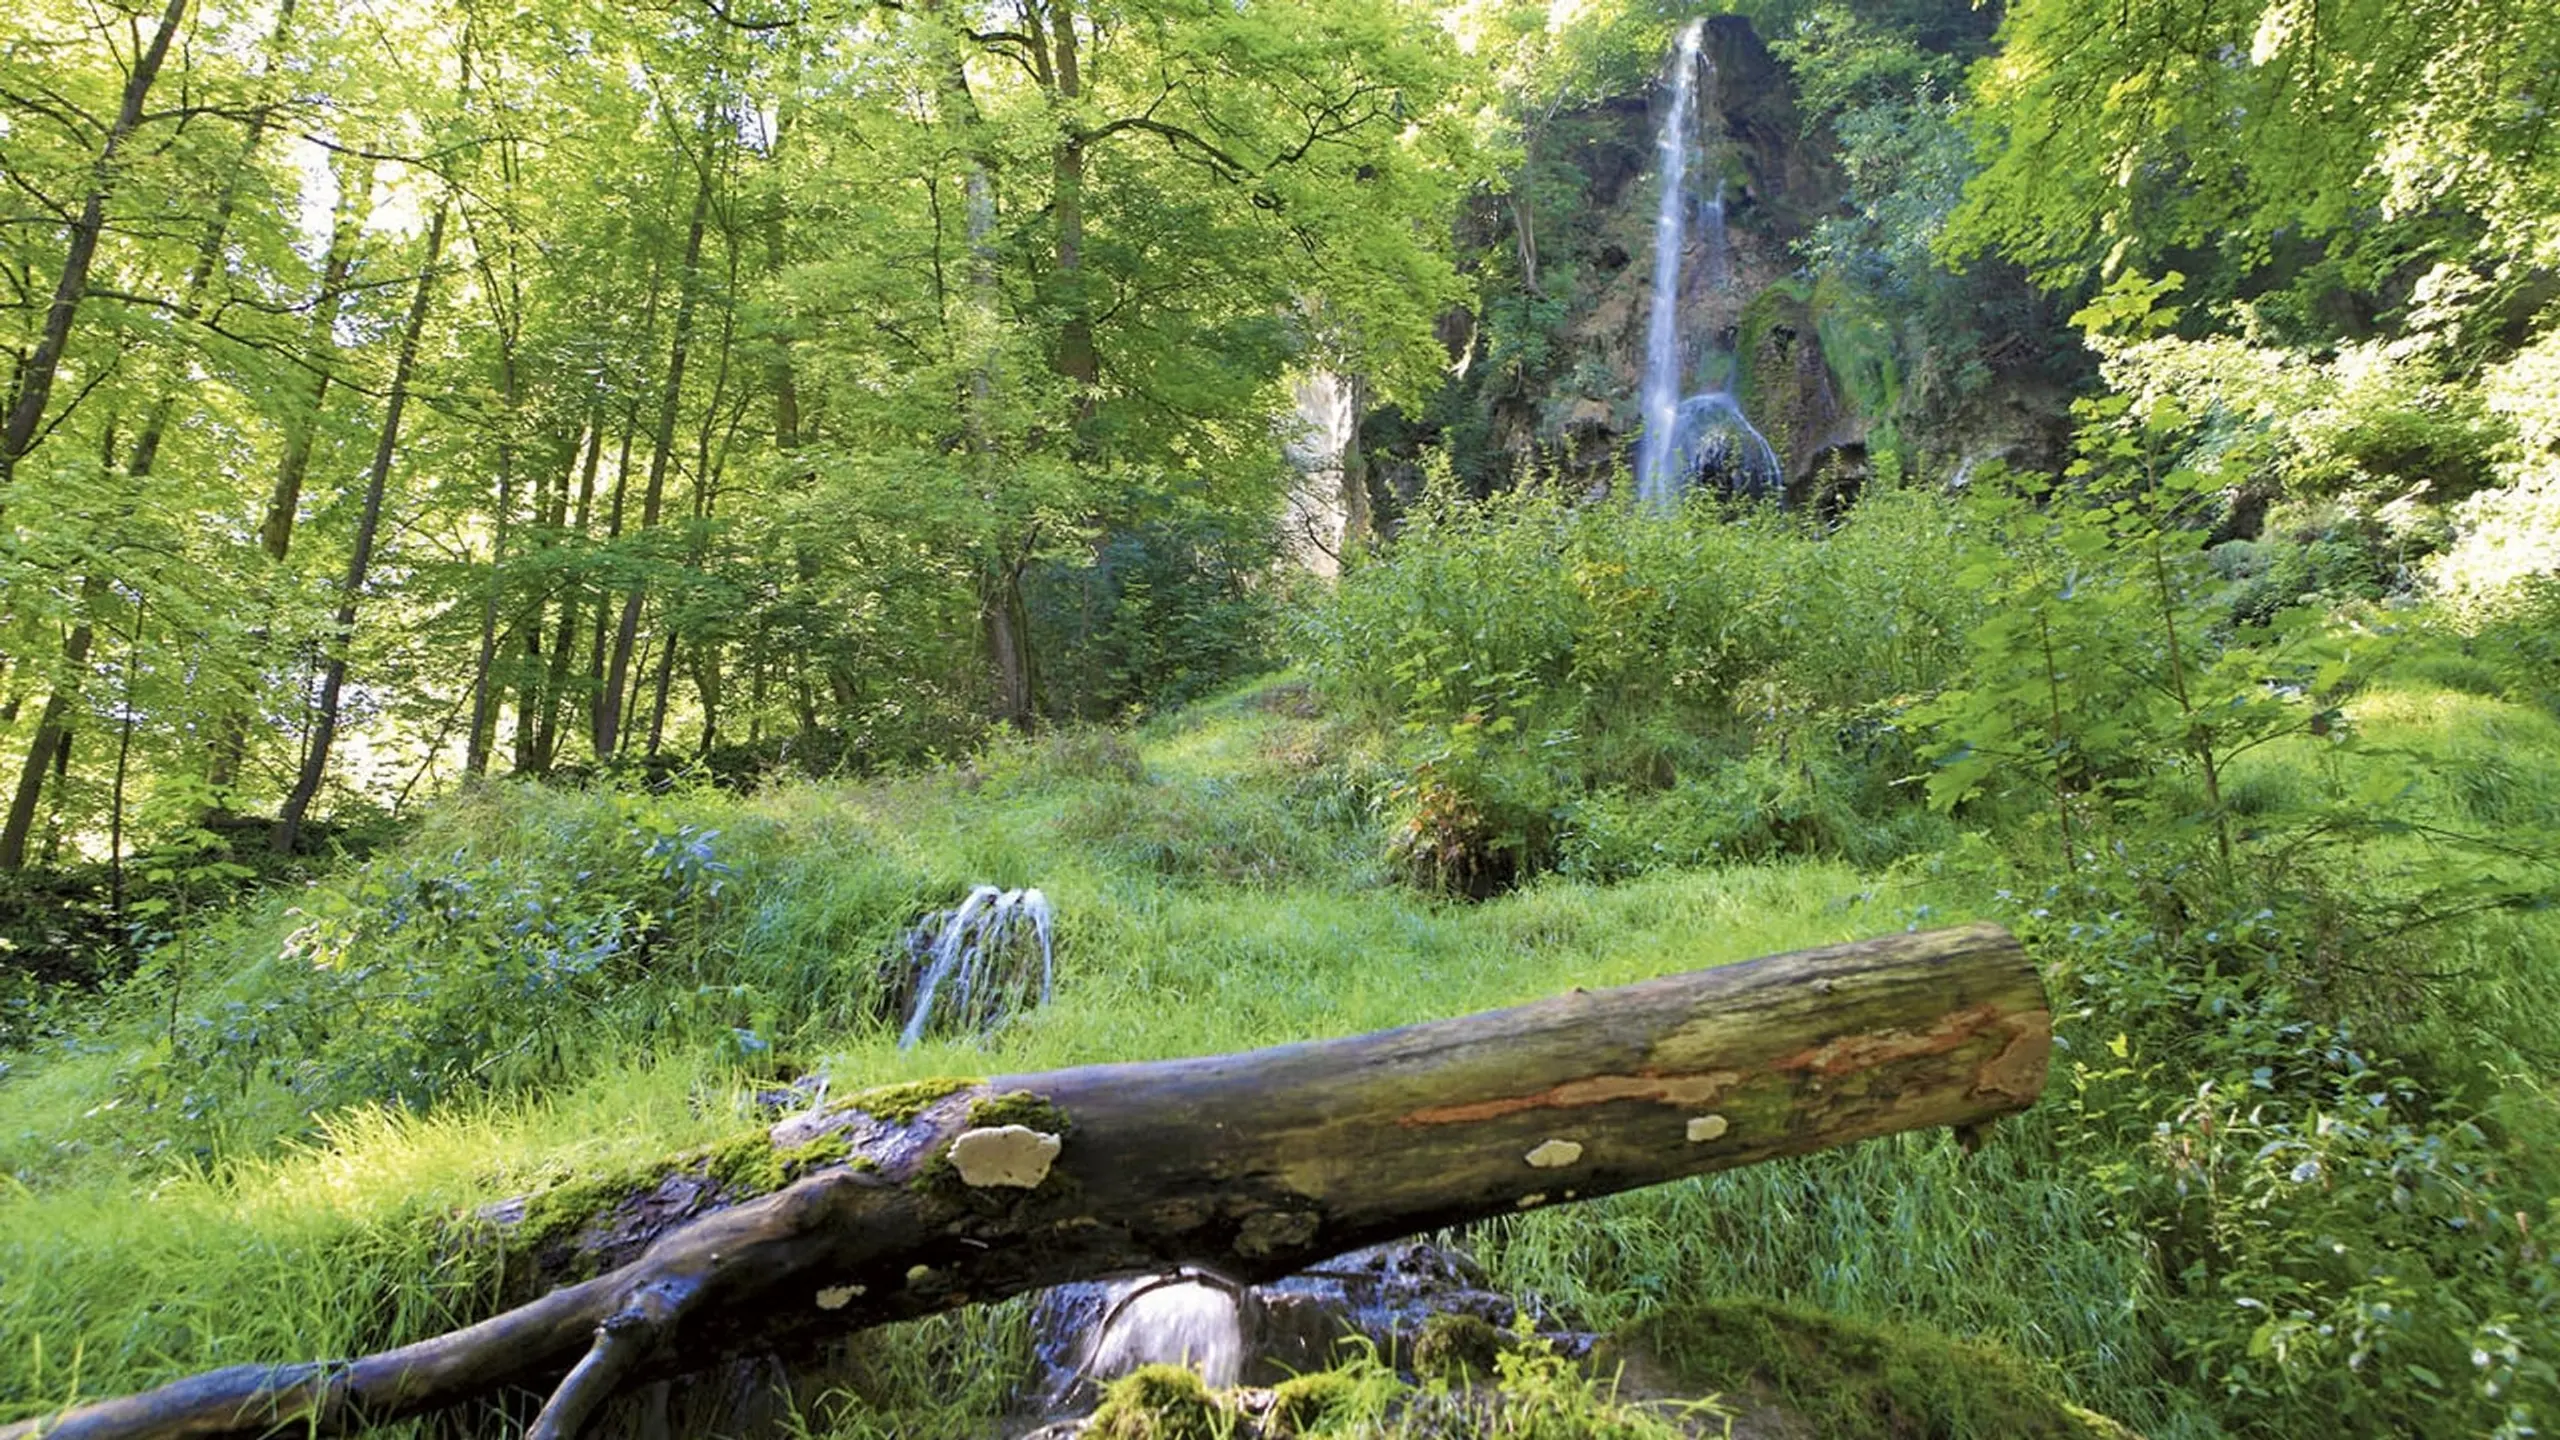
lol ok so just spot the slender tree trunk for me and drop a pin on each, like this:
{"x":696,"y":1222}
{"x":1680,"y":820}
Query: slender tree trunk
{"x":301,"y":438}
{"x":523,"y":639}
{"x":1077,"y":360}
{"x":1004,"y":625}
{"x":1003,"y":619}
{"x":661,"y":454}
{"x":706,"y":480}
{"x":124,"y":758}
{"x":475,"y":753}
{"x":53,"y":733}
{"x":52,"y":741}
{"x":665,"y":682}
{"x":603,"y":703}
{"x":536,"y":678}
{"x":24,"y":426}
{"x":324,"y":731}
{"x":53,"y":818}
{"x":572,"y":607}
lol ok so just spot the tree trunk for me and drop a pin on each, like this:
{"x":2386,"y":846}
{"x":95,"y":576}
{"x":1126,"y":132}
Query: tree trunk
{"x":897,"y":1203}
{"x":604,"y":706}
{"x":1004,"y":624}
{"x":301,"y":436}
{"x":484,"y":686}
{"x":1076,"y":359}
{"x":661,"y":452}
{"x":546,"y":739}
{"x":545,"y":671}
{"x":315,"y":761}
{"x":53,"y":728}
{"x":34,"y":389}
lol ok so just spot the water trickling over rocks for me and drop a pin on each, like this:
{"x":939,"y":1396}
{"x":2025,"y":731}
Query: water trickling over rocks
{"x":1254,"y":1335}
{"x":971,"y":967}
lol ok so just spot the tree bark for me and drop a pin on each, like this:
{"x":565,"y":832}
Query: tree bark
{"x":1004,"y":628}
{"x":34,"y":390}
{"x":315,"y":761}
{"x":572,"y":600}
{"x":604,"y":706}
{"x":53,"y":729}
{"x":572,"y":607}
{"x":484,"y":688}
{"x":661,"y":453}
{"x":897,"y":1203}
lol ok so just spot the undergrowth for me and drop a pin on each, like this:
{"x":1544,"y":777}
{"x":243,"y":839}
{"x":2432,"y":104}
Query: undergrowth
{"x":2288,"y":873}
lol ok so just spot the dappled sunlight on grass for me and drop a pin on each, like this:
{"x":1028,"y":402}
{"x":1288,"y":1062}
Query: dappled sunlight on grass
{"x":179,"y":1202}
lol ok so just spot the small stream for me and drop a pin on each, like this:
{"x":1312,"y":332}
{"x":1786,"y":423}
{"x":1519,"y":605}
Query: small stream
{"x":1256,"y":1335}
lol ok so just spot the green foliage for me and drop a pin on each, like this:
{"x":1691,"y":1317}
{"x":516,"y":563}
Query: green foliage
{"x":1560,"y":681}
{"x":1163,"y":615}
{"x":481,"y":967}
{"x":2099,"y":673}
{"x":1849,"y":1377}
{"x":2116,"y":134}
{"x":2284,"y":1083}
{"x":2341,"y":1242}
{"x":2520,"y":635}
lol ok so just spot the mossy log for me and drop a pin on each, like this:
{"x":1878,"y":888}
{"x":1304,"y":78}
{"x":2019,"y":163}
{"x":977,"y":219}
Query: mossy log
{"x":897,"y":1203}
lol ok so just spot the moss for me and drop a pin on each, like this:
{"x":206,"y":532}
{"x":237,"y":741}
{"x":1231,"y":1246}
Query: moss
{"x":1856,"y":1377}
{"x":907,"y":1099}
{"x":1457,"y":1346}
{"x":1762,"y":375}
{"x":1156,"y":1402}
{"x":744,"y":1164}
{"x":1303,"y":1402}
{"x":1018,"y":1107}
{"x":555,"y":1215}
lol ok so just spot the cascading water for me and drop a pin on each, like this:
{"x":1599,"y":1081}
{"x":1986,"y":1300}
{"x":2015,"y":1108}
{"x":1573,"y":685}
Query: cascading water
{"x":1706,"y":432}
{"x":984,"y":950}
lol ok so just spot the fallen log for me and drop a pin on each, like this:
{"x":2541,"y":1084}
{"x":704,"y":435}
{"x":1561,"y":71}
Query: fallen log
{"x":900,"y":1202}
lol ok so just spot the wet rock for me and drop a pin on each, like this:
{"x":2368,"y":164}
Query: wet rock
{"x":1386,"y":1296}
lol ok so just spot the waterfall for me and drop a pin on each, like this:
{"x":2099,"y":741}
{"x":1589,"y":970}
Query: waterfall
{"x":1706,"y":431}
{"x":1192,"y":1317}
{"x":984,"y":950}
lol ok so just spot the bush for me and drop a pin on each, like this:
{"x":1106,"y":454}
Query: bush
{"x":2341,"y":1242}
{"x":1543,"y":674}
{"x":1162,"y":615}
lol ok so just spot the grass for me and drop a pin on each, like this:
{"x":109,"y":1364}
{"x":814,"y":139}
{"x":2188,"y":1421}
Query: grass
{"x":170,"y":1201}
{"x":143,"y":1244}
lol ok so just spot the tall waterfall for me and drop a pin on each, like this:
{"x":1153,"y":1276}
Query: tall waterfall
{"x":1705,"y":431}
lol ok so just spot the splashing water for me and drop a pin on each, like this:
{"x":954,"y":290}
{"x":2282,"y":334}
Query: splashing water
{"x":981,"y":951}
{"x":1192,"y":1317}
{"x":1705,"y":432}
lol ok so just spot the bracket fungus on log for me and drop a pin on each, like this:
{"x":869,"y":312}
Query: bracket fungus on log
{"x":1010,"y":1155}
{"x":1257,"y":1164}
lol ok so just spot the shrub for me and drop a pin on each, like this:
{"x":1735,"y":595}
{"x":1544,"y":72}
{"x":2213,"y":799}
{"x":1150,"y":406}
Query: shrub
{"x":1544,"y":674}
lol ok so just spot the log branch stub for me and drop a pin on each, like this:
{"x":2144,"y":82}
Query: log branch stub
{"x":1250,"y":1165}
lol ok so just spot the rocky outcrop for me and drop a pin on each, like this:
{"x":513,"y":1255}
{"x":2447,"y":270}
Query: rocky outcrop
{"x":1547,"y":370}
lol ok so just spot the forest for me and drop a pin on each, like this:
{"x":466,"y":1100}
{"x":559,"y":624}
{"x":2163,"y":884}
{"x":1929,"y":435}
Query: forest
{"x":563,"y":564}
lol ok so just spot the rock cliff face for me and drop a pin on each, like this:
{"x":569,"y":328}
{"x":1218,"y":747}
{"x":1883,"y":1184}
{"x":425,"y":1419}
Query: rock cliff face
{"x":1546,"y":369}
{"x":1580,"y":411}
